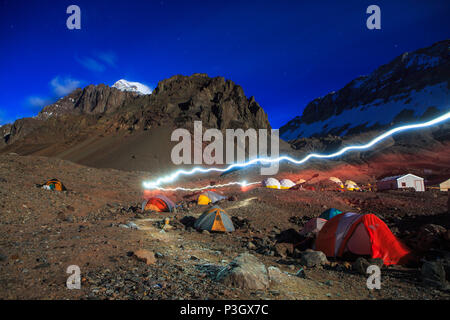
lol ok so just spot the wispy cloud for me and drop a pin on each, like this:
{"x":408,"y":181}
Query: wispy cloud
{"x":110,"y":58}
{"x":91,"y":64}
{"x":60,"y":86}
{"x":99,"y":61}
{"x":38,"y":102}
{"x":64,"y":86}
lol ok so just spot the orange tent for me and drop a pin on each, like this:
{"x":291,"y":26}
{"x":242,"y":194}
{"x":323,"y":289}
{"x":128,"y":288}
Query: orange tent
{"x":361,"y":235}
{"x":159,"y":203}
{"x":55,"y":184}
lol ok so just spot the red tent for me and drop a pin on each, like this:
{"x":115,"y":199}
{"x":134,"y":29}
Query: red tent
{"x":362,"y":235}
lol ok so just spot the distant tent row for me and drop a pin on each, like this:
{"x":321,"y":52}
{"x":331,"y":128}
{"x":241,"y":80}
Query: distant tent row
{"x":161,"y":203}
{"x":359,"y":234}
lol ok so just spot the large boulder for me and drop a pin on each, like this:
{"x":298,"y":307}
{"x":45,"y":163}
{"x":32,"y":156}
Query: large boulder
{"x":245,"y":272}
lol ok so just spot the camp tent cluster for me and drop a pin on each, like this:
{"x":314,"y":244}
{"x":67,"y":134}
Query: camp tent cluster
{"x":273,"y":183}
{"x":215,"y":219}
{"x":359,"y":234}
{"x":349,"y":184}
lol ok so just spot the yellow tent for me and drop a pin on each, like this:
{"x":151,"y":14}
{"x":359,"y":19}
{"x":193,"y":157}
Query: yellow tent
{"x":286,"y":184}
{"x":271,"y":183}
{"x":208,"y":197}
{"x":351,"y":185}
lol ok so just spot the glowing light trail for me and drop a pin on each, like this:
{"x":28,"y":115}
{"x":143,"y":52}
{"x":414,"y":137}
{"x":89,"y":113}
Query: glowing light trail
{"x":242,"y":184}
{"x":172,"y":177}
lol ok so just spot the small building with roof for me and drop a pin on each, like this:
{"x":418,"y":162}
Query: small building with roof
{"x":402,"y":181}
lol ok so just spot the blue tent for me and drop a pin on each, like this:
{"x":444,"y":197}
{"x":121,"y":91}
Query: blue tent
{"x":330,"y":213}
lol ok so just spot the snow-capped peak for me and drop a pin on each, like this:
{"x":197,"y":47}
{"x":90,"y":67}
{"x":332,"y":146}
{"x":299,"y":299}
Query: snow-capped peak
{"x":125,"y":85}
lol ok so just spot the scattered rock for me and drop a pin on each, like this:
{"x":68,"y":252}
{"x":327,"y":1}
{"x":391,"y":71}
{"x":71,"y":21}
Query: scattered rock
{"x":433,"y":273}
{"x":245,"y":272}
{"x":276,"y":275}
{"x":70,"y":218}
{"x":132,"y":225}
{"x":429,"y":236}
{"x":360,"y":265}
{"x":313,"y":259}
{"x":146,"y":256}
{"x":284,"y":249}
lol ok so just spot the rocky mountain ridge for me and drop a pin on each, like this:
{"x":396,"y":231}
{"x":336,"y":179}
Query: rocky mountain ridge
{"x":177,"y":101}
{"x":413,"y":87}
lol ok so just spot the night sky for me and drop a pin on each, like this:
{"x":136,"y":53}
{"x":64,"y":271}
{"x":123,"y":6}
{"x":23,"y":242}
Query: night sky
{"x":285,"y":53}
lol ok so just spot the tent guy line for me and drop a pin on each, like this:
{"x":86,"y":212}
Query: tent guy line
{"x":172,"y":177}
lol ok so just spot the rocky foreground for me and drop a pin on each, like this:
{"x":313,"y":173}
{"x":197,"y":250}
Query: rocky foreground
{"x":124,"y":253}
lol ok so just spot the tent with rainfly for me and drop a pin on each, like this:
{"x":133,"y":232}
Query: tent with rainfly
{"x":158,"y":203}
{"x":208,"y":197}
{"x":361,"y":235}
{"x":215,"y":219}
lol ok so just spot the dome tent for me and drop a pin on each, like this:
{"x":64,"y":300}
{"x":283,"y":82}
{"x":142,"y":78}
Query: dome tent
{"x":271,"y":183}
{"x":54,"y":184}
{"x":286,"y":184}
{"x":215,"y":219}
{"x":337,"y":181}
{"x":361,"y":235}
{"x":351,"y":185}
{"x":208,"y":197}
{"x":158,"y":203}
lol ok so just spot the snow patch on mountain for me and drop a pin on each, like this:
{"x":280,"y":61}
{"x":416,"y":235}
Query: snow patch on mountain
{"x":137,"y":87}
{"x":377,"y":112}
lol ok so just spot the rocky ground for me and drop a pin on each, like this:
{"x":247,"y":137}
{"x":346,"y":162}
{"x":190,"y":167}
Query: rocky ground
{"x":124,"y":253}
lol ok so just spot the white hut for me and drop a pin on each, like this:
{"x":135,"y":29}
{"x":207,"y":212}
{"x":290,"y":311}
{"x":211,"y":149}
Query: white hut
{"x":399,"y":182}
